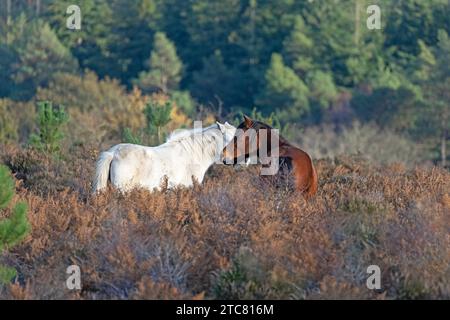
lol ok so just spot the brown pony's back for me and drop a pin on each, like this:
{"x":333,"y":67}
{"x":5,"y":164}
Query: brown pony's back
{"x":305,"y":173}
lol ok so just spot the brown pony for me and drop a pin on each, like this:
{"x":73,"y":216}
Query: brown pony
{"x":300,"y":163}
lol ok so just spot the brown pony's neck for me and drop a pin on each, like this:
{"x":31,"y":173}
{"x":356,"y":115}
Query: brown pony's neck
{"x":302,"y":167}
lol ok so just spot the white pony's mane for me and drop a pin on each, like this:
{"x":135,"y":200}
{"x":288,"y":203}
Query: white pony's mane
{"x":178,"y":135}
{"x":199,"y":142}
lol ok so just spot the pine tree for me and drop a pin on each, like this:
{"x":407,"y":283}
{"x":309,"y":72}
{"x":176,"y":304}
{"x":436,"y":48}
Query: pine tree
{"x":129,"y":39}
{"x":425,"y":63}
{"x":157,"y":116}
{"x":284,"y":91}
{"x":40,"y":55}
{"x":436,"y":116}
{"x":210,"y":25}
{"x":216,"y":81}
{"x":9,"y":58}
{"x":322,"y":88}
{"x":14,"y":228}
{"x":89,"y":44}
{"x":164,"y":67}
{"x":50,"y":120}
{"x":298,"y":48}
{"x":412,"y":19}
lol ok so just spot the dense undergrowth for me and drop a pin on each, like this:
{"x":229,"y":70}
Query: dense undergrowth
{"x":236,"y":236}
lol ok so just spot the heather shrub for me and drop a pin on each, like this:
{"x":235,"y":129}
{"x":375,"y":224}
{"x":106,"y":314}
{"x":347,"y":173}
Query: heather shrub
{"x":38,"y":171}
{"x":237,"y":235}
{"x":243,"y":280}
{"x":43,"y":173}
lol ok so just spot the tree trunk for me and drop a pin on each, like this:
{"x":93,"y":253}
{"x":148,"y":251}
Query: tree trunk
{"x":8,"y":19}
{"x":357,"y":22}
{"x":444,"y":148}
{"x":38,"y":7}
{"x":159,"y":134}
{"x":252,"y":32}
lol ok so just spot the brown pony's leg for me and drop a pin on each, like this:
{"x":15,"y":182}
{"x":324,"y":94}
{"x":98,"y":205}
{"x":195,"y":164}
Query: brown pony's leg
{"x":305,"y":174}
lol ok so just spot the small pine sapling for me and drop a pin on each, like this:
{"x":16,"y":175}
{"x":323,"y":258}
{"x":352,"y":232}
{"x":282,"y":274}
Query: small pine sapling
{"x":50,"y":121}
{"x":14,"y":228}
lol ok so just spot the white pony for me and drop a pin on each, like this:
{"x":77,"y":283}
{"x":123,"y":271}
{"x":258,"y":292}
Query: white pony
{"x":186,"y":154}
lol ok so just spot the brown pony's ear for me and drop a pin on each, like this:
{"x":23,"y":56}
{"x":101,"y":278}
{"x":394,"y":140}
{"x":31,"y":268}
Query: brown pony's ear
{"x":248,"y":121}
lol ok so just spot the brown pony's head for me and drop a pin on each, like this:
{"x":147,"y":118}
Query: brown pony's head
{"x":246,"y":142}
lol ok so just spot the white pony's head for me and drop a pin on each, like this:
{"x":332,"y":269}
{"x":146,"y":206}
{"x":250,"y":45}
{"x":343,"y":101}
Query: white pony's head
{"x":228,"y":131}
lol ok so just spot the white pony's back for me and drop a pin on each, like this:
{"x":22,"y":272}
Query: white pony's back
{"x":184,"y":133}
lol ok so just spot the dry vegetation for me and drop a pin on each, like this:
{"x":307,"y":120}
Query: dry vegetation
{"x":236,"y":236}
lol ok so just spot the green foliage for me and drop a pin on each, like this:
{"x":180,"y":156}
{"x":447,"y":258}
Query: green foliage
{"x":284,"y":91}
{"x":8,"y":122}
{"x":216,"y":81}
{"x":412,"y":289}
{"x":322,"y":88}
{"x":244,"y":280}
{"x":411,"y":19}
{"x":184,"y":101}
{"x":157,"y":117}
{"x":129,"y":137}
{"x":272,"y":119}
{"x":14,"y":228}
{"x":40,"y":54}
{"x":8,"y":58}
{"x":298,"y":48}
{"x":50,"y":121}
{"x":7,"y":187}
{"x":90,"y":43}
{"x":129,"y":37}
{"x":7,"y":274}
{"x":425,"y":62}
{"x":388,"y":107}
{"x":433,"y":118}
{"x":164,"y":67}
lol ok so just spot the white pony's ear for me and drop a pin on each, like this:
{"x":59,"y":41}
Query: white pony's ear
{"x":227,"y":124}
{"x":221,"y":126}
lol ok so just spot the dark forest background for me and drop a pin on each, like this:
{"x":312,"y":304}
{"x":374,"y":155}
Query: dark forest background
{"x":312,"y":68}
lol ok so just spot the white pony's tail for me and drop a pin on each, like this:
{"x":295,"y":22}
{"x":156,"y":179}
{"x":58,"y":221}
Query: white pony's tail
{"x":102,"y":171}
